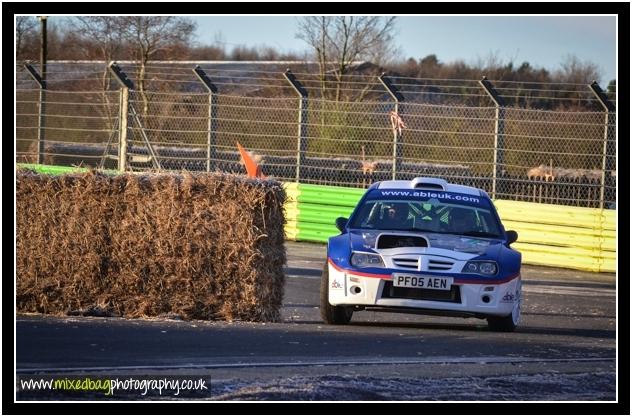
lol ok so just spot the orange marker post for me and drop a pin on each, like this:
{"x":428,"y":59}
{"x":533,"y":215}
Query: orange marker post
{"x":252,"y":168}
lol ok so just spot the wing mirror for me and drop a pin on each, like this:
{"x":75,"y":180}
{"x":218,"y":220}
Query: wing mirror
{"x":341,"y":223}
{"x":512,"y":236}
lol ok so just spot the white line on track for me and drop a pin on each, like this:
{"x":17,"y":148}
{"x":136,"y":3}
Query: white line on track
{"x":302,"y":276}
{"x":428,"y":361}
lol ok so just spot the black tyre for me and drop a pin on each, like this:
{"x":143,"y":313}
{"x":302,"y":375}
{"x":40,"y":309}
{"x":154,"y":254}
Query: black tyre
{"x":331,"y":314}
{"x":508,"y":323}
{"x":501,"y":324}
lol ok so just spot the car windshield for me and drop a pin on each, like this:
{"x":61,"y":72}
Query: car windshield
{"x":427,"y":216}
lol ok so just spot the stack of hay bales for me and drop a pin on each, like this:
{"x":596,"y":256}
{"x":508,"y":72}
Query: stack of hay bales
{"x":198,"y":246}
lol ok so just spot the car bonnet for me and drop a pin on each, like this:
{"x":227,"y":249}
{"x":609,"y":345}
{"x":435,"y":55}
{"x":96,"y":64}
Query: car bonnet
{"x":363,"y":240}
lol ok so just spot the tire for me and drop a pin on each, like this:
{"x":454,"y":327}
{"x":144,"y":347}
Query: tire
{"x":508,"y":323}
{"x":331,"y":314}
{"x":501,"y":324}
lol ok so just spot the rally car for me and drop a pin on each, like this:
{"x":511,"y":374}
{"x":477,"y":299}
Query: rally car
{"x":423,"y":246}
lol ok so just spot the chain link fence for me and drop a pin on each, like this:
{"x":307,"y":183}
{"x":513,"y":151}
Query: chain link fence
{"x":335,"y":138}
{"x":74,"y":129}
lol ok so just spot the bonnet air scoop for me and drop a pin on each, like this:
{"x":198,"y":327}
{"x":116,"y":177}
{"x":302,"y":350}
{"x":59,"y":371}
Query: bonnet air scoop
{"x":387,"y":241}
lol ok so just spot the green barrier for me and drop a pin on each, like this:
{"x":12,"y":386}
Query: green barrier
{"x":315,"y":227}
{"x":52,"y":169}
{"x":314,"y":236}
{"x":333,"y":196}
{"x":320,"y":206}
{"x":60,"y":170}
{"x":315,"y":213}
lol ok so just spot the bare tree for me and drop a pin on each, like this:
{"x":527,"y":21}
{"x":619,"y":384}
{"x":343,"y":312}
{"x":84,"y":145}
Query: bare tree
{"x":102,"y":33}
{"x":102,"y":39}
{"x":24,"y":26}
{"x":338,"y":41}
{"x":314,"y":30}
{"x":577,"y":71}
{"x":151,"y":36}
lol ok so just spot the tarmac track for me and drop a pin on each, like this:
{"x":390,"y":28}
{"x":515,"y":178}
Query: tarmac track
{"x":564,"y":349}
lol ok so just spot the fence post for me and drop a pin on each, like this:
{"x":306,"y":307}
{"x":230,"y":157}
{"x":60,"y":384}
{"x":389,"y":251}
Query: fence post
{"x":211,"y":140}
{"x":125,"y":82}
{"x":41,"y":112}
{"x":499,"y":132}
{"x":397,"y":136}
{"x":608,"y":163}
{"x":42,"y":92}
{"x":302,"y":121}
{"x":123,"y":112}
{"x":126,"y":85}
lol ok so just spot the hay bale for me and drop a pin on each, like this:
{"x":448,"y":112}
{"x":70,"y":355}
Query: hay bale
{"x":199,"y":246}
{"x":61,"y":240}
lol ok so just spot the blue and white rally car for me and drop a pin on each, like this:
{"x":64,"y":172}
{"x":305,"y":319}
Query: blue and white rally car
{"x":423,"y":246}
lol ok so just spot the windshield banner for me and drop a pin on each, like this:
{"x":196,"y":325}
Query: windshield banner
{"x":430,"y":194}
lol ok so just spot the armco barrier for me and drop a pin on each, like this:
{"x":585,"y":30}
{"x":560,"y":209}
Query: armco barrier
{"x":318,"y":208}
{"x":568,"y":237}
{"x":291,"y":210}
{"x":549,"y":235}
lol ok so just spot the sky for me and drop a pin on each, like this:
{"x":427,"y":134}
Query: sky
{"x":543,"y":41}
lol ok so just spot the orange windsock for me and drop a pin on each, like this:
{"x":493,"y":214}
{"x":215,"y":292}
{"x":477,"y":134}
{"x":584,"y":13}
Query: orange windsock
{"x":252,"y":168}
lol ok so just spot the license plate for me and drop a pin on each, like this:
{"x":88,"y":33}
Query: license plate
{"x":422,"y":281}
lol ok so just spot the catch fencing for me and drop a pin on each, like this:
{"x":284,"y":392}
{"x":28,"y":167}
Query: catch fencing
{"x":345,"y":131}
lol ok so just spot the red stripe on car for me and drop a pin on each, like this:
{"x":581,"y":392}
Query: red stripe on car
{"x":482,"y":281}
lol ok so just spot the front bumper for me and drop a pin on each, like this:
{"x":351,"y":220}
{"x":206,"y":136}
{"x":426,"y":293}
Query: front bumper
{"x":493,"y":297}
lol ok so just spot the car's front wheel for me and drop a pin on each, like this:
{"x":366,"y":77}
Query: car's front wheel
{"x":331,"y":314}
{"x":505,"y":324}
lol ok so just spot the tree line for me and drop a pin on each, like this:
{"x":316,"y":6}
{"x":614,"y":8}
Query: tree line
{"x":333,"y":42}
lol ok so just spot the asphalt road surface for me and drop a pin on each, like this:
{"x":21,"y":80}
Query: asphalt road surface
{"x":564,"y":349}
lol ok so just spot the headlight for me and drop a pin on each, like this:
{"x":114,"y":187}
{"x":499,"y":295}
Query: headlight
{"x":366,"y":260}
{"x":481,"y":267}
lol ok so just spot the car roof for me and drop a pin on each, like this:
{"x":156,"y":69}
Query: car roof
{"x":429,"y":183}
